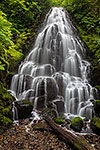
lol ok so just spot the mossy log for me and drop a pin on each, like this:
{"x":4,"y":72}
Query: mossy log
{"x":74,"y":140}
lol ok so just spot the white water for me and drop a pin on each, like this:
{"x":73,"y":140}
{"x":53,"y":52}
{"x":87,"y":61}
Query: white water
{"x":56,"y":66}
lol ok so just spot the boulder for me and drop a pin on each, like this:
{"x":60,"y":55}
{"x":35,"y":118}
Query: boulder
{"x":24,"y":108}
{"x":77,"y":124}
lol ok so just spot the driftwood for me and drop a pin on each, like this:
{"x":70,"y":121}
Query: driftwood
{"x":74,"y":140}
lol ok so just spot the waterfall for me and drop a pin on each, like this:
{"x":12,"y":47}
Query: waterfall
{"x":55,"y":70}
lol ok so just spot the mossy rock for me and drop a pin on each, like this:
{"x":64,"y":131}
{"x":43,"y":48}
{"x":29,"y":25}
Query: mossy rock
{"x":77,"y":124}
{"x":27,"y":102}
{"x":59,"y":121}
{"x":95,"y":125}
{"x":97,"y":108}
{"x":24,"y":108}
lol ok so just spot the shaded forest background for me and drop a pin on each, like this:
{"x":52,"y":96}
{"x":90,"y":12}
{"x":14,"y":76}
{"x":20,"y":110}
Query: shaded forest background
{"x":20,"y":21}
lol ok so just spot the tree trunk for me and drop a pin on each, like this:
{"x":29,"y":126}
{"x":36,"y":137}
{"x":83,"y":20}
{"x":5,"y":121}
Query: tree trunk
{"x":78,"y":142}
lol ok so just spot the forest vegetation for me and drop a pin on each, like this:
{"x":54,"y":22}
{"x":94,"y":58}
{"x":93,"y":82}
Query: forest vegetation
{"x":20,"y":21}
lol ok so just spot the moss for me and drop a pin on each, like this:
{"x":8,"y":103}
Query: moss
{"x":95,"y":125}
{"x":59,"y":121}
{"x":5,"y":108}
{"x":76,"y":120}
{"x":96,"y":122}
{"x":98,"y":102}
{"x":5,"y":120}
{"x":76,"y":146}
{"x":37,"y":128}
{"x":77,"y":124}
{"x":27,"y":102}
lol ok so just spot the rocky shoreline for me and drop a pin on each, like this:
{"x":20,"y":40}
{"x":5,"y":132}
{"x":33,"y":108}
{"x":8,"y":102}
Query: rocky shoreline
{"x":37,"y":135}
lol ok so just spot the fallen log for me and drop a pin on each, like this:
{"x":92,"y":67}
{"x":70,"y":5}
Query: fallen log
{"x":78,"y":142}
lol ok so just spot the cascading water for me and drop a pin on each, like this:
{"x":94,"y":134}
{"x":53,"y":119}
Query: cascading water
{"x":55,"y":70}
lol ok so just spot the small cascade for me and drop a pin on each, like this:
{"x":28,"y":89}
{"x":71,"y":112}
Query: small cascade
{"x":56,"y":71}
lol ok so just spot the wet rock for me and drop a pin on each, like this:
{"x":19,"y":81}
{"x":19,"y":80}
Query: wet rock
{"x":77,"y":124}
{"x":17,"y":84}
{"x":40,"y":102}
{"x":24,"y":108}
{"x":29,"y":95}
{"x":59,"y":79}
{"x":60,"y":105}
{"x":44,"y":70}
{"x":51,"y":105}
{"x":46,"y":86}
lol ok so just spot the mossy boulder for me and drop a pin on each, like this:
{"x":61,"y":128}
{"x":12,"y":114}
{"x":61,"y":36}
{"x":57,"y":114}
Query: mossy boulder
{"x":77,"y":124}
{"x":95,"y":125}
{"x":97,"y":108}
{"x":24,"y":108}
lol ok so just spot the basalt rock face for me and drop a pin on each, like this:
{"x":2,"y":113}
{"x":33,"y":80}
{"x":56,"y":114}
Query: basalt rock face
{"x":56,"y":67}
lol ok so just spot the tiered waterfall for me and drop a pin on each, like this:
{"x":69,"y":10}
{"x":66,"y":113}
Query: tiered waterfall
{"x":56,"y":71}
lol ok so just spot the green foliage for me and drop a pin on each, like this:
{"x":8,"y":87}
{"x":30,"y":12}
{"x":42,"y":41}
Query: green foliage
{"x":5,"y":120}
{"x":20,"y":12}
{"x":57,"y":2}
{"x":96,"y":122}
{"x":5,"y":107}
{"x":5,"y":39}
